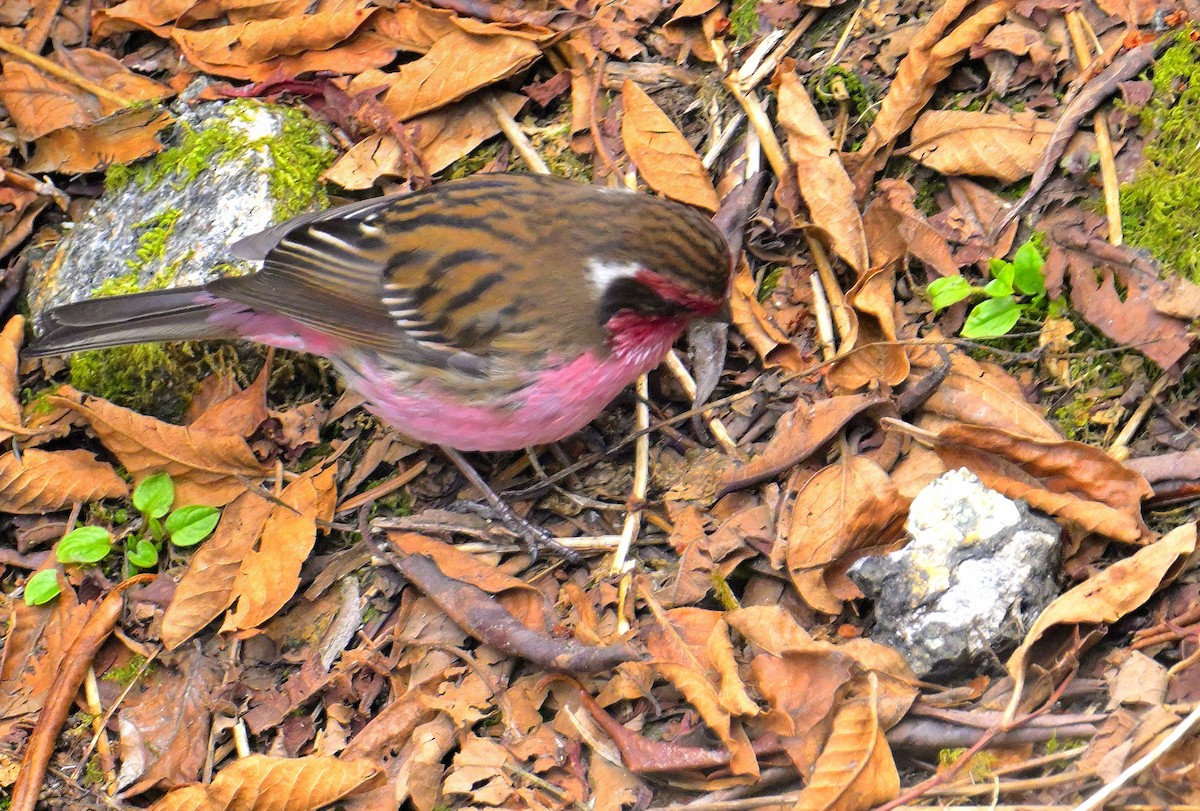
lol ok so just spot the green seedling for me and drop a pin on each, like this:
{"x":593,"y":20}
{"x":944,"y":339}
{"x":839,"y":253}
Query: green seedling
{"x":998,"y":313}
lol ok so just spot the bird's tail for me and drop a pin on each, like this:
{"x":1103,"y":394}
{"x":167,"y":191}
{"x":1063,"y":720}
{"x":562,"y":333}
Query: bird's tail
{"x":181,"y":314}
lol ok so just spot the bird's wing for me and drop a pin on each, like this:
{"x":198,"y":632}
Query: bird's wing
{"x":326,"y":270}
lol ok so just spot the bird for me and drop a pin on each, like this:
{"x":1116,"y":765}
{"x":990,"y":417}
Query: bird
{"x":490,"y":313}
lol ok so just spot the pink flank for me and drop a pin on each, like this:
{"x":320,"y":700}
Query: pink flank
{"x":558,"y":404}
{"x":562,"y":401}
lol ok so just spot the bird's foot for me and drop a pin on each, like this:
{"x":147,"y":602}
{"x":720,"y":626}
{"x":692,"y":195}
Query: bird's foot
{"x":533,"y":539}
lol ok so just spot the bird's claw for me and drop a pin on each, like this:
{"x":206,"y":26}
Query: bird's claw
{"x":533,"y":539}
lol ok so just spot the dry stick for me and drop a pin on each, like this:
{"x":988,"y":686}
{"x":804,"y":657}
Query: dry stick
{"x":762,"y":125}
{"x":1119,"y":449}
{"x":1102,"y":796}
{"x":1104,"y":145}
{"x":641,"y":479}
{"x":91,"y":693}
{"x":824,"y":318}
{"x":380,"y":490}
{"x":40,"y":744}
{"x":59,"y":72}
{"x":837,"y":300}
{"x":518,"y":139}
{"x":108,"y":714}
{"x":752,"y":79}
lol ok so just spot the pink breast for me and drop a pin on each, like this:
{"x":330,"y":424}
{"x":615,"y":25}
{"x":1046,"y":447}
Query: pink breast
{"x":558,"y":404}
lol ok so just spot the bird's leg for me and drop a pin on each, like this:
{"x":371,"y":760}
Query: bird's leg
{"x":535,"y":539}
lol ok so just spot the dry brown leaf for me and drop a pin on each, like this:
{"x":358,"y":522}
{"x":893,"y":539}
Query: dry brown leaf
{"x":458,"y":64}
{"x":1069,"y":479}
{"x":207,"y":468}
{"x":933,"y":53}
{"x":206,"y":588}
{"x":799,"y":434}
{"x":251,"y":43}
{"x":154,"y":15}
{"x":123,"y":137}
{"x":875,"y":357}
{"x":1106,"y":597}
{"x":895,"y":228}
{"x":826,"y":188}
{"x":442,"y":137}
{"x":855,"y":770}
{"x":262,"y":781}
{"x":748,"y":315}
{"x":844,"y":508}
{"x":984,"y":394}
{"x":10,"y":346}
{"x":665,"y":159}
{"x":270,"y":573}
{"x":40,"y":104}
{"x":39,"y":481}
{"x":962,"y":142}
{"x":690,"y":649}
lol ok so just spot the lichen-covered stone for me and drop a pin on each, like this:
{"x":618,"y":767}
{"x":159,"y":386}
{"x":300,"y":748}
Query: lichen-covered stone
{"x":978,"y":571}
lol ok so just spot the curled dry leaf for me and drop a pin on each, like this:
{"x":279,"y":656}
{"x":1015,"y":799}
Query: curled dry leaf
{"x":798,"y":435}
{"x":1076,"y":482}
{"x":229,"y":49}
{"x":207,"y":587}
{"x":895,"y":229}
{"x":855,"y":770}
{"x":962,"y":142}
{"x":39,"y":481}
{"x":10,"y":409}
{"x":40,"y":104}
{"x":663,"y":156}
{"x":262,"y":781}
{"x":270,"y":572}
{"x":751,"y":319}
{"x":458,"y":64}
{"x":207,"y":468}
{"x":874,"y":356}
{"x":845,"y":508}
{"x":691,"y":649}
{"x":826,"y":188}
{"x":123,"y":137}
{"x":984,"y":394}
{"x":1106,"y":597}
{"x":934,"y":52}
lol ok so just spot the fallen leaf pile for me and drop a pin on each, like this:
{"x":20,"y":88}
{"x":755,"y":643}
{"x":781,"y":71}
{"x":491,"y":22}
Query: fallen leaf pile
{"x":352,"y":635}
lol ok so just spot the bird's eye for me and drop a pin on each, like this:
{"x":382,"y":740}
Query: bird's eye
{"x":633,"y":296}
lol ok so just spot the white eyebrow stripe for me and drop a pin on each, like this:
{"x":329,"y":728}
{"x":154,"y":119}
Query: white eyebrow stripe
{"x":602,"y":273}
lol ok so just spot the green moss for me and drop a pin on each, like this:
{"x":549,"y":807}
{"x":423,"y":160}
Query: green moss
{"x":93,"y":774}
{"x":468,"y":165}
{"x":152,"y":244}
{"x":300,"y":153}
{"x":837,"y":85}
{"x":1160,"y":209}
{"x":124,"y":676}
{"x":981,"y":767}
{"x":743,"y":20}
{"x":769,"y":282}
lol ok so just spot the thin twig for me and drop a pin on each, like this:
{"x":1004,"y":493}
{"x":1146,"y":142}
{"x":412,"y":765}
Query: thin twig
{"x":641,"y":479}
{"x":59,"y":72}
{"x":516,"y":137}
{"x":675,"y":366}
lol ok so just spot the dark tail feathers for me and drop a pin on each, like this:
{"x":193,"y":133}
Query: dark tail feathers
{"x":159,"y":315}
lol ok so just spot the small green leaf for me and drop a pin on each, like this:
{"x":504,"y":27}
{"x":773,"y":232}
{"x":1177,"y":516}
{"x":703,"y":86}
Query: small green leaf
{"x":189,"y":526}
{"x":1027,"y":264}
{"x":143,"y":554}
{"x":991,"y":318}
{"x":949,"y":290}
{"x":84,"y":545}
{"x":42,"y":587}
{"x":1002,"y":280}
{"x":154,"y":495}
